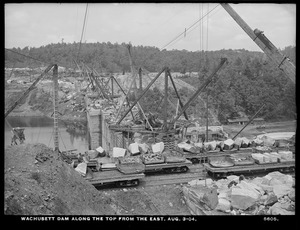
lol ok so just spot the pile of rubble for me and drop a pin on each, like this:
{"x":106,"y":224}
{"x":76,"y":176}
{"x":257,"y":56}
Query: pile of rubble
{"x":273,"y":194}
{"x":261,"y":143}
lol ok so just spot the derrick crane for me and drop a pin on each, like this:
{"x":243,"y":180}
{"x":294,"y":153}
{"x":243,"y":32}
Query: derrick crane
{"x":55,"y":101}
{"x":14,"y":105}
{"x":279,"y":60}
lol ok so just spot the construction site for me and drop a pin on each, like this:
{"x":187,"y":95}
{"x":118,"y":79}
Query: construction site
{"x":138,"y":163}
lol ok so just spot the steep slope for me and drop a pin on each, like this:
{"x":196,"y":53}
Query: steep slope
{"x":38,"y":182}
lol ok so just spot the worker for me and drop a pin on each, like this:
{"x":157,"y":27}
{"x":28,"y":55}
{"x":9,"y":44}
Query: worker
{"x":13,"y":137}
{"x":17,"y":133}
{"x":21,"y":135}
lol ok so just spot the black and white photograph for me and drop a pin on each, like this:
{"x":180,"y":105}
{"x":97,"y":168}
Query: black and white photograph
{"x":149,"y":112}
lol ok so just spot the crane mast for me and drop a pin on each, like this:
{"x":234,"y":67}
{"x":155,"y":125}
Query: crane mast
{"x":280,"y":60}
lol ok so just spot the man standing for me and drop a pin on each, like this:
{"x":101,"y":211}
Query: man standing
{"x":17,"y":133}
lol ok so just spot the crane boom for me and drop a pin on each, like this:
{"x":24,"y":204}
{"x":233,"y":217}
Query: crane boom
{"x":11,"y":108}
{"x":280,"y":60}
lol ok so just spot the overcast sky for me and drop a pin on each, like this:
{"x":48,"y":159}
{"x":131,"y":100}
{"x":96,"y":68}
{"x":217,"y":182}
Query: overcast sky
{"x":148,"y":24}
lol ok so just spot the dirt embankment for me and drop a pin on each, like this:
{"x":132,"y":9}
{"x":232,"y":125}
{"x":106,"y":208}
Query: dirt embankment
{"x":38,"y":182}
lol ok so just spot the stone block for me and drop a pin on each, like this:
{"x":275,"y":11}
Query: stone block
{"x":143,"y":147}
{"x":252,"y":187}
{"x":286,"y":155}
{"x":223,"y":205}
{"x":258,"y":156}
{"x":118,"y":152}
{"x":158,"y":147}
{"x":291,"y":195}
{"x":100,"y":149}
{"x":224,"y":194}
{"x":271,"y":199}
{"x":201,"y":182}
{"x":212,"y":145}
{"x":238,"y":142}
{"x":276,"y":157}
{"x":283,"y":178}
{"x":233,"y":178}
{"x":134,"y":148}
{"x":277,"y":209}
{"x":81,"y":168}
{"x":266,"y":158}
{"x":245,"y":142}
{"x":228,"y":144}
{"x":92,"y":154}
{"x":203,"y":196}
{"x":268,"y":141}
{"x":282,"y":190}
{"x":242,"y":198}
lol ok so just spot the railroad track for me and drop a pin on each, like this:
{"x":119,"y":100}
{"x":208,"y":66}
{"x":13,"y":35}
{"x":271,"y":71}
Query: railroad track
{"x":196,"y":171}
{"x":179,"y":178}
{"x":160,"y":178}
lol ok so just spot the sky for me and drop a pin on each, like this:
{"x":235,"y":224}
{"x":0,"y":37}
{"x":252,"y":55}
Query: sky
{"x":203,"y":26}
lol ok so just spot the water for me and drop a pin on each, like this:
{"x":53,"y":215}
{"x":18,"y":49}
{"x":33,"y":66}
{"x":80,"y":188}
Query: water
{"x":40,"y":130}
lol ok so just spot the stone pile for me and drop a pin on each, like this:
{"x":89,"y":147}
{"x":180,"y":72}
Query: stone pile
{"x":273,"y":194}
{"x":259,"y":144}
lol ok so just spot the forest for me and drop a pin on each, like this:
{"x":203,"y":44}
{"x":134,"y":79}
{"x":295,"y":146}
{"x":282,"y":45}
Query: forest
{"x":246,"y":82}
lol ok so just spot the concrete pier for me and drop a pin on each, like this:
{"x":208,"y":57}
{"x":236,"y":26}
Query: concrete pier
{"x":98,"y":129}
{"x":94,"y":119}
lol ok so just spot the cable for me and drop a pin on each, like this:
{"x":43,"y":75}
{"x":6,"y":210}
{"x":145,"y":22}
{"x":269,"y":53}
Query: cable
{"x":192,"y":30}
{"x":202,"y":27}
{"x":178,"y":36}
{"x":76,"y":20}
{"x":26,"y":56}
{"x":82,"y":30}
{"x":86,"y":22}
{"x":145,"y":38}
{"x":200,"y":53}
{"x":207,"y":28}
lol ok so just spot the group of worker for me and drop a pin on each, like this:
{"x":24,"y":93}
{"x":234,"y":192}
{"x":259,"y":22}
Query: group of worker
{"x":17,"y":134}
